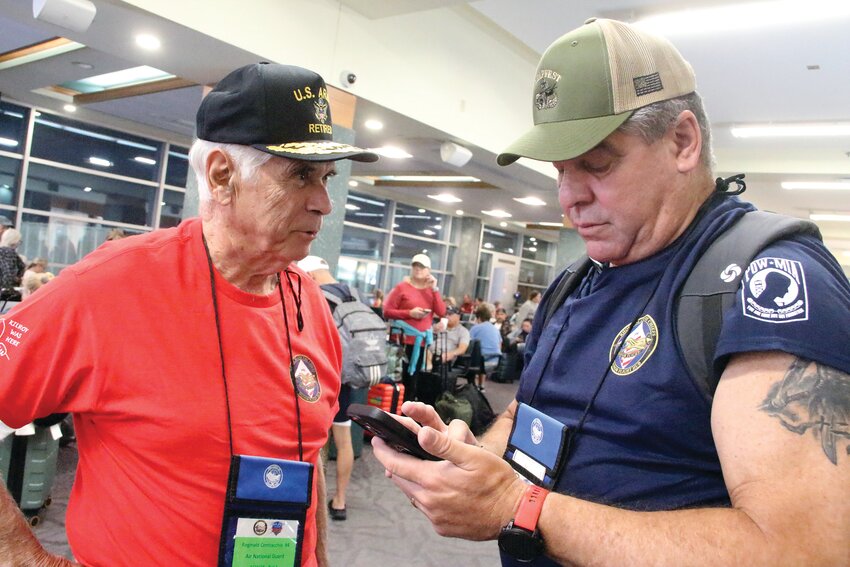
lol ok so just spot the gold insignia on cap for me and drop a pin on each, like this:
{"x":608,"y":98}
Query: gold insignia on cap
{"x":321,"y":110}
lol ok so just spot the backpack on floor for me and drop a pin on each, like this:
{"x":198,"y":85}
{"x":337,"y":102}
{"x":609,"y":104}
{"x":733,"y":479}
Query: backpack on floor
{"x":364,"y":340}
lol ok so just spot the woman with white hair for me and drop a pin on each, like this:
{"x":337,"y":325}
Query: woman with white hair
{"x":11,"y":265}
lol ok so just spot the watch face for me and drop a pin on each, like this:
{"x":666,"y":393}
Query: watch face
{"x":520,"y":544}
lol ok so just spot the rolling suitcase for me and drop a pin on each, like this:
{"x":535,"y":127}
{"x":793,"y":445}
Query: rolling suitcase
{"x":28,"y":467}
{"x":387,"y":396}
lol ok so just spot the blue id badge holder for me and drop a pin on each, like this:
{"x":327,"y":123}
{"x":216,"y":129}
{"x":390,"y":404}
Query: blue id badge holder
{"x":538,"y":446}
{"x":264,"y":512}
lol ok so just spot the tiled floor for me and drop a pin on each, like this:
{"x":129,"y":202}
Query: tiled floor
{"x":382,"y":527}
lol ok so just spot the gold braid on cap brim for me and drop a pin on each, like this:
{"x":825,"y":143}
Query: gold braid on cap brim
{"x":314,"y":148}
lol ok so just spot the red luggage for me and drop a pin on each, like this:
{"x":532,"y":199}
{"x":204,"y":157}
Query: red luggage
{"x":388,"y":397}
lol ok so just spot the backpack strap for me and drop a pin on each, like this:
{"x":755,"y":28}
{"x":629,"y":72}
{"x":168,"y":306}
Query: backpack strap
{"x":713,"y":283}
{"x":569,"y":282}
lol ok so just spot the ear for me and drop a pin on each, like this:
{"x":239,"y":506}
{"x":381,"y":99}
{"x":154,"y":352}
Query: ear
{"x":220,"y":173}
{"x":687,"y":141}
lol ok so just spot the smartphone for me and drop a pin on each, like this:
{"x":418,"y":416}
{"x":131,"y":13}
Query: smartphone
{"x":426,"y":310}
{"x":380,"y":423}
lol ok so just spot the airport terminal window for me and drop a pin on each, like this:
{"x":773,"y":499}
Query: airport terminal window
{"x":535,"y":249}
{"x":60,"y":139}
{"x":177,"y":168}
{"x":365,"y":209}
{"x":496,"y":240}
{"x":420,"y":222}
{"x":9,"y":170}
{"x":171,"y":212}
{"x":360,"y":274}
{"x":62,"y":241}
{"x":533,"y":273}
{"x":13,"y":127}
{"x":362,"y":243}
{"x":403,"y":249}
{"x":75,"y":193}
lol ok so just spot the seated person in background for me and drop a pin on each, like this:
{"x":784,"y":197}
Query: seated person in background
{"x":517,"y":338}
{"x":457,"y":338}
{"x":529,"y":308}
{"x":37,"y":266}
{"x":491,"y":342}
{"x":467,"y":306}
{"x":11,"y":265}
{"x":33,"y":282}
{"x":502,"y":323}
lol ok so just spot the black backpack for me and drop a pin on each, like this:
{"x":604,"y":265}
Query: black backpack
{"x":709,"y":290}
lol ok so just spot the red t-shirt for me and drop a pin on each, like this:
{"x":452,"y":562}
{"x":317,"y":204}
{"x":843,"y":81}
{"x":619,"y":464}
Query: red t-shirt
{"x":126,"y":339}
{"x":405,"y":297}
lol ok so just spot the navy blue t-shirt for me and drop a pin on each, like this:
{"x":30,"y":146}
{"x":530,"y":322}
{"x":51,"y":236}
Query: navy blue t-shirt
{"x":646,"y":443}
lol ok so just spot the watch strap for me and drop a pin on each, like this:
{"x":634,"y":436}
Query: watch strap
{"x":530,"y":507}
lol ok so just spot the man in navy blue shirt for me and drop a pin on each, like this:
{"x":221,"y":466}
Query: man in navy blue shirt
{"x":649,"y":470}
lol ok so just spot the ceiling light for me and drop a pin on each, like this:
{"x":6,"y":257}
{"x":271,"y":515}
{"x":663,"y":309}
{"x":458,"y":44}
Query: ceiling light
{"x":558,"y":224}
{"x":351,"y":207}
{"x":824,"y":185}
{"x":530,"y":201}
{"x":532,"y":249}
{"x":122,"y":78}
{"x":445,"y":198}
{"x":145,"y":160}
{"x":87,"y":189}
{"x":162,"y":203}
{"x":8,"y":142}
{"x":533,"y":239}
{"x":459,"y":212}
{"x":428,"y":232}
{"x":746,"y":16}
{"x":148,"y":41}
{"x":391,"y":152}
{"x":100,"y":161}
{"x":373,"y":124}
{"x":498,"y":213}
{"x":420,"y":210}
{"x":503,"y":224}
{"x":353,"y":183}
{"x":70,"y":108}
{"x":431,"y":178}
{"x":830,"y":217}
{"x":82,"y":65}
{"x":488,"y":245}
{"x":810,"y":130}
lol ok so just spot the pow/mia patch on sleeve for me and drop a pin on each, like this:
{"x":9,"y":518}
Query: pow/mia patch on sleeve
{"x":774,"y":290}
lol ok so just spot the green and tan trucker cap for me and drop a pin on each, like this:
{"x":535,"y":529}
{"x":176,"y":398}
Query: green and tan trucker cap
{"x":590,"y":81}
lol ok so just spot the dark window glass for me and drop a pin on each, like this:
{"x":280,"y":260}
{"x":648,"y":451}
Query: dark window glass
{"x":535,"y":249}
{"x":420,"y":222}
{"x":403,"y":249}
{"x":536,"y":274}
{"x":365,"y":209}
{"x":499,"y":241}
{"x":57,"y":138}
{"x":9,"y":172}
{"x":481,"y":287}
{"x":484,"y":265}
{"x":13,"y":127}
{"x":72,"y":192}
{"x":171,"y":212}
{"x":360,"y":274}
{"x":61,"y":241}
{"x":177,"y":170}
{"x":362,"y":243}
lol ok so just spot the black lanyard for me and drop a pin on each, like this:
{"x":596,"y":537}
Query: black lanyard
{"x":288,"y":341}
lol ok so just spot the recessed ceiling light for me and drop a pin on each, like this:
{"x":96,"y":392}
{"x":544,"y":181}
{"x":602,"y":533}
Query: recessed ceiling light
{"x":70,"y":108}
{"x":428,"y":232}
{"x":459,"y":212}
{"x":8,"y":142}
{"x":810,"y":130}
{"x":503,"y":224}
{"x":498,"y":213}
{"x":145,"y":160}
{"x":421,"y":210}
{"x":100,"y":161}
{"x":823,"y":185}
{"x":87,"y":189}
{"x":532,"y":249}
{"x":82,"y":65}
{"x":531,"y":201}
{"x":445,"y":198}
{"x":391,"y":152}
{"x":148,"y":41}
{"x":373,"y":124}
{"x":558,"y":224}
{"x":352,"y":207}
{"x":488,"y":245}
{"x":353,"y":183}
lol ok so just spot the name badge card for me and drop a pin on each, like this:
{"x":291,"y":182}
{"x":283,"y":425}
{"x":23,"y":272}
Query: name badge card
{"x":538,"y":446}
{"x":264,"y":512}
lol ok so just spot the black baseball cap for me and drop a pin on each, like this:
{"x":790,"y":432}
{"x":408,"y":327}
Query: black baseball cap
{"x":282,"y":110}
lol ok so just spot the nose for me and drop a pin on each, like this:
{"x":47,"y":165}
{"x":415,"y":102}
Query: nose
{"x":573,"y":187}
{"x":320,"y":200}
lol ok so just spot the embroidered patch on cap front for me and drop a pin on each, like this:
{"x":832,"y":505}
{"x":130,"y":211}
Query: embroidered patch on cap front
{"x":634,"y":350}
{"x":545,"y":87}
{"x":306,"y":379}
{"x":774,"y":290}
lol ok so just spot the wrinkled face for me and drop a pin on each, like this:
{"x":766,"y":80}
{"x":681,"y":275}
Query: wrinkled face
{"x":620,"y":197}
{"x":278,"y":212}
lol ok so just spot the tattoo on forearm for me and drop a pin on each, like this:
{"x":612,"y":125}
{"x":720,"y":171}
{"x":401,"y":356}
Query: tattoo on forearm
{"x":816,"y":398}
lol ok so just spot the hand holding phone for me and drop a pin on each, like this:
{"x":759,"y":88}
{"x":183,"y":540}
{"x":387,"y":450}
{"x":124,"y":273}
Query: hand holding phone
{"x":382,"y":424}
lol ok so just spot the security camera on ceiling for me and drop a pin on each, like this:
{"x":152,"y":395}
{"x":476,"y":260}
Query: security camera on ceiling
{"x":76,"y":15}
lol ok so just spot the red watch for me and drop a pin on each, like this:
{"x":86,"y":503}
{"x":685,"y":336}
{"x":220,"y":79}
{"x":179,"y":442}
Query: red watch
{"x":520,"y":538}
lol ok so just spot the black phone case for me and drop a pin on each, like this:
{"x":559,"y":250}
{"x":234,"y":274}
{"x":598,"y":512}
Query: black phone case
{"x":380,"y":423}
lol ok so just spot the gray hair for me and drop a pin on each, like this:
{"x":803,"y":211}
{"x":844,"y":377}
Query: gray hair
{"x":246,"y":159}
{"x":652,"y":121}
{"x":11,"y":238}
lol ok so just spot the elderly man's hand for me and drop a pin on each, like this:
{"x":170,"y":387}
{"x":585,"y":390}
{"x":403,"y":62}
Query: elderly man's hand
{"x":471,"y":494}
